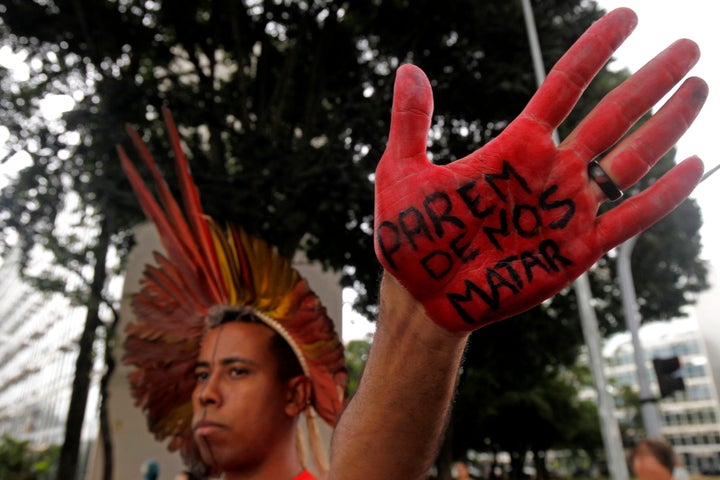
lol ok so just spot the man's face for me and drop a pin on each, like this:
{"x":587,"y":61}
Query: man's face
{"x":239,"y":401}
{"x":646,"y":467}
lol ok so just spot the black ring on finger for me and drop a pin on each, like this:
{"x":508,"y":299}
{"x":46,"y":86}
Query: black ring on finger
{"x":603,"y":180}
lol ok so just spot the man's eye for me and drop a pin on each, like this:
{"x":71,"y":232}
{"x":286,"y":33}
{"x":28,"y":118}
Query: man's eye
{"x":238,"y":372}
{"x":201,"y":376}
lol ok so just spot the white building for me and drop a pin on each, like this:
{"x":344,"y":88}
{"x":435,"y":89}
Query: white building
{"x":707,"y":312}
{"x":690,"y":418}
{"x":39,"y":336}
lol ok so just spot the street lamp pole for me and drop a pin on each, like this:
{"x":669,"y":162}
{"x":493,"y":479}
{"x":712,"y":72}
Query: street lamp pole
{"x":612,"y":441}
{"x":609,"y":429}
{"x":651,"y":418}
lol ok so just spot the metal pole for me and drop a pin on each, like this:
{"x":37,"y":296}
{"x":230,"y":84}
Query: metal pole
{"x":609,"y":429}
{"x":651,"y":418}
{"x":612,"y":440}
{"x":535,"y":52}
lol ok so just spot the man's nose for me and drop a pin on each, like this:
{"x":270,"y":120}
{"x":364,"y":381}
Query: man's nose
{"x":210,"y":393}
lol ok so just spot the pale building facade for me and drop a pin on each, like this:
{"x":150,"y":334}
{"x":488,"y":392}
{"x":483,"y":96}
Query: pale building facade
{"x":39,"y":336}
{"x":690,"y":418}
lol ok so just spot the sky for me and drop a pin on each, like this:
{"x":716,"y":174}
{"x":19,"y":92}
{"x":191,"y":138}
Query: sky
{"x":661,"y":22}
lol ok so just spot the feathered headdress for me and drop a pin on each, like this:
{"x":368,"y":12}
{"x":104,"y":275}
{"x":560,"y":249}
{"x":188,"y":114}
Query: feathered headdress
{"x":206,"y":268}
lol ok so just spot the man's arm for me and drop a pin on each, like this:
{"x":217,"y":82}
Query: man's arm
{"x":499,"y":231}
{"x":392,"y":427}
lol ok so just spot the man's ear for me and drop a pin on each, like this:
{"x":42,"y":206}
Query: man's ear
{"x":299,"y":395}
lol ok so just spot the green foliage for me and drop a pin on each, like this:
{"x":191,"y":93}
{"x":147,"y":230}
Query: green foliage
{"x":20,"y":461}
{"x":632,"y":428}
{"x":356,"y":354}
{"x":516,"y":396}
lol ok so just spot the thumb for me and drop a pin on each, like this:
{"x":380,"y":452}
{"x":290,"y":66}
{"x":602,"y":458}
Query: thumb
{"x":411,"y":113}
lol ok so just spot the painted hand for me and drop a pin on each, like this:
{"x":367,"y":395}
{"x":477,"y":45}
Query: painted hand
{"x":497,"y":232}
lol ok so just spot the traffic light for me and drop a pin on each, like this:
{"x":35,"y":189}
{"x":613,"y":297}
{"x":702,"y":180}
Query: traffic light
{"x":666,"y":372}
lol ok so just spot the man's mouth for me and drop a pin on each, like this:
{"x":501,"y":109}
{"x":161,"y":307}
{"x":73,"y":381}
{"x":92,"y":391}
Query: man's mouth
{"x":206,"y":427}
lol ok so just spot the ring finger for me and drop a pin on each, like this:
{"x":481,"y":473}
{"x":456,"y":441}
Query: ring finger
{"x":631,"y":159}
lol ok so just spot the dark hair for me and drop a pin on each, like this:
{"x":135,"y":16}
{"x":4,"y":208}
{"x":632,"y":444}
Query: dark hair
{"x":288,"y":363}
{"x":659,"y":449}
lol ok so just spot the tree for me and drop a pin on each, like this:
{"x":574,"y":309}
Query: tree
{"x":631,"y":426}
{"x":19,"y":461}
{"x":356,"y":354}
{"x":519,"y":372}
{"x":283,"y":107}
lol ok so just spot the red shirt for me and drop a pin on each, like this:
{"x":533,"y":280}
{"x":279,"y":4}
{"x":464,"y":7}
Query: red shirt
{"x":305,"y":475}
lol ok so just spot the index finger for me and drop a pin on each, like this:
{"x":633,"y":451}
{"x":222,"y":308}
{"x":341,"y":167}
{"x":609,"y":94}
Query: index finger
{"x":576,"y":69}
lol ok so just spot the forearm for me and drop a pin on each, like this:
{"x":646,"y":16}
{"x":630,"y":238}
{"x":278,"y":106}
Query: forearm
{"x":393,"y":425}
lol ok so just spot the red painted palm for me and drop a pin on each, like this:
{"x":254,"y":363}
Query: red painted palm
{"x":497,"y":232}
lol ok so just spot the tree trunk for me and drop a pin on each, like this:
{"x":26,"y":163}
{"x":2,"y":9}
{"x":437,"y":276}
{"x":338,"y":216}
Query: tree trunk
{"x":494,"y":464}
{"x":539,"y":461}
{"x":105,"y":430}
{"x":517,"y":463}
{"x":70,"y":450}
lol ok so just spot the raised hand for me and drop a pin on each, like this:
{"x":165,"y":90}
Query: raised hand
{"x":497,"y":232}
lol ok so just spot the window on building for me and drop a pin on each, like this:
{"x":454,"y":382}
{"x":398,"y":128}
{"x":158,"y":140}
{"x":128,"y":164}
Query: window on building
{"x":693,"y":417}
